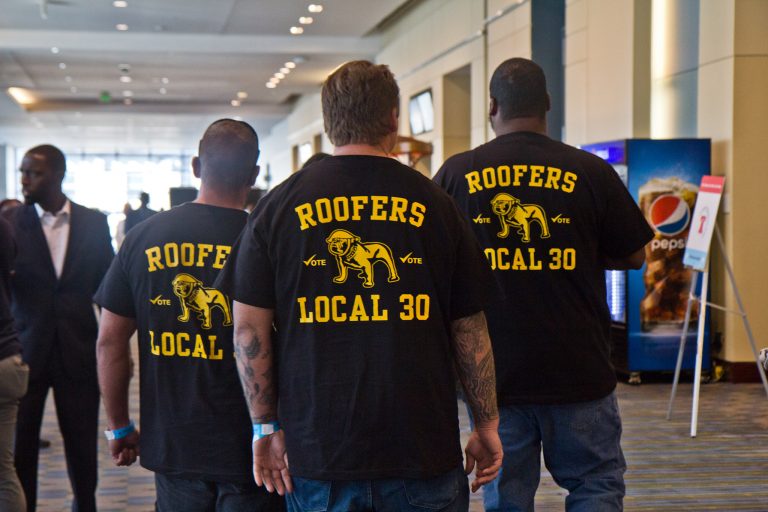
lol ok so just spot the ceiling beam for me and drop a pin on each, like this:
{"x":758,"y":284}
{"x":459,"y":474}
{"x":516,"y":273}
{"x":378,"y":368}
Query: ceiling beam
{"x":187,"y":43}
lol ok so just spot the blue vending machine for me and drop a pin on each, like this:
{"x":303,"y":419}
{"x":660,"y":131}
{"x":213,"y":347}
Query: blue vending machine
{"x":648,"y":305}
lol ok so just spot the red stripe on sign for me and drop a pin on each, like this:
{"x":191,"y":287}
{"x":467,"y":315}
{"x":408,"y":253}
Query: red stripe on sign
{"x":712,"y":184}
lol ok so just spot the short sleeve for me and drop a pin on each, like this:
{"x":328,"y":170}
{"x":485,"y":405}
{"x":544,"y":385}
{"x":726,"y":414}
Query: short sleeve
{"x":248,"y":276}
{"x":115,"y":293}
{"x":472,"y":284}
{"x":624,"y":229}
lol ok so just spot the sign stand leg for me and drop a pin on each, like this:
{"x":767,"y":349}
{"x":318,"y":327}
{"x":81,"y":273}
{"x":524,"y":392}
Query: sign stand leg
{"x":699,"y":352}
{"x":683,"y":339}
{"x":743,"y":314}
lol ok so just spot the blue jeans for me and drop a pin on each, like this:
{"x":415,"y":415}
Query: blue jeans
{"x":448,"y":492}
{"x":582,"y":451}
{"x":182,"y":495}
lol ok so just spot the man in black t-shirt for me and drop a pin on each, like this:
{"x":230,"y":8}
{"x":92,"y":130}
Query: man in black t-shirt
{"x":376,"y":287}
{"x":551,"y":219}
{"x":195,"y":432}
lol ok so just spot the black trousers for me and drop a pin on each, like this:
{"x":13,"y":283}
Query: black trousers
{"x":77,"y":409}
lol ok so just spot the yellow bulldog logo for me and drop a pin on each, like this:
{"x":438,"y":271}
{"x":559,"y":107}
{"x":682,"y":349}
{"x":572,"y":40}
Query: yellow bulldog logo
{"x":193,"y":296}
{"x":519,"y":216}
{"x":351,"y":252}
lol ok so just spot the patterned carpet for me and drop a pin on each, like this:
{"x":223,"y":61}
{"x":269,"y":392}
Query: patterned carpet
{"x":724,"y":469}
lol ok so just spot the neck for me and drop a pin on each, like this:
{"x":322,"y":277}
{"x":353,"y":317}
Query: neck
{"x":362,"y":149}
{"x":54,"y":203}
{"x":213,"y":197}
{"x":520,"y":124}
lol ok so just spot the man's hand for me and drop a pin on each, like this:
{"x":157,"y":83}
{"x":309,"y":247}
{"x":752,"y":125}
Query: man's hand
{"x":125,"y":450}
{"x":270,"y":464}
{"x":484,"y":449}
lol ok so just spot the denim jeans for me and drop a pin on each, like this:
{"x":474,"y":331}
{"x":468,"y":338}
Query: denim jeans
{"x":13,"y":385}
{"x":582,"y":451}
{"x":182,"y":495}
{"x":448,"y":492}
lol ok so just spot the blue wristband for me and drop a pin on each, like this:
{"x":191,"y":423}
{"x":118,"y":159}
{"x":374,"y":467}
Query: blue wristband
{"x":264,"y":429}
{"x":120,"y":433}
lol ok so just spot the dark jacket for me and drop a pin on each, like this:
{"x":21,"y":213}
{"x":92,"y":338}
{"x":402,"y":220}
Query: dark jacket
{"x":52,"y":312}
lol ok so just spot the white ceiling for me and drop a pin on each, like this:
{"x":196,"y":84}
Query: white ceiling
{"x":201,"y":52}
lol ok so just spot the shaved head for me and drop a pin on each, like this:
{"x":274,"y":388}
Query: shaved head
{"x":228,"y":153}
{"x":519,"y":87}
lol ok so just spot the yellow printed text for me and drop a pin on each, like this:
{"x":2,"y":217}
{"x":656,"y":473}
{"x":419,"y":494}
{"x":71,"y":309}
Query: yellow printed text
{"x":181,"y":344}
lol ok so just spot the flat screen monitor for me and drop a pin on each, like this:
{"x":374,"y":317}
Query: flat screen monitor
{"x":421,"y":113}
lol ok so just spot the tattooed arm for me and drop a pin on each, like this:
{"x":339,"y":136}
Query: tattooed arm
{"x":253,"y":354}
{"x":474,"y":364}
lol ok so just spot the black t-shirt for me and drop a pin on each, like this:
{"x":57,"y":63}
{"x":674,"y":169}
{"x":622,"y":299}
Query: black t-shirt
{"x":194,"y":420}
{"x":365,"y":262}
{"x":9,"y":341}
{"x":546,"y":214}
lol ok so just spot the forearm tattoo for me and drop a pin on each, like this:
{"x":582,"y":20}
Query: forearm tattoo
{"x":258,"y":387}
{"x":474,"y":364}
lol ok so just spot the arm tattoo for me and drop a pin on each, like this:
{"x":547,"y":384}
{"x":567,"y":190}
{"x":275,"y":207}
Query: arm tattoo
{"x":253,"y":349}
{"x":474,"y":364}
{"x":256,"y":381}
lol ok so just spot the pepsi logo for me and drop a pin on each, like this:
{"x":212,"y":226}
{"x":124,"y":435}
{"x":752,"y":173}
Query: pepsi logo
{"x":669,"y":214}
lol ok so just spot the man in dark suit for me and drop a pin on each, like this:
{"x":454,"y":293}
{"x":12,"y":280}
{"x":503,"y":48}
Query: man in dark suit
{"x":64,"y":250}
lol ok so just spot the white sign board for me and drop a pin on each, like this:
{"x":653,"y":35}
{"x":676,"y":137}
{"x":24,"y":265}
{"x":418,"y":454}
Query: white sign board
{"x":703,"y":222}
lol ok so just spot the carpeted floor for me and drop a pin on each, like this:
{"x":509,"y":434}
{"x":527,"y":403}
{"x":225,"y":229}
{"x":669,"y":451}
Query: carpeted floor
{"x":725,"y":468}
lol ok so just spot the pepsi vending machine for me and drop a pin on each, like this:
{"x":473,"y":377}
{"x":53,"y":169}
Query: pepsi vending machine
{"x":648,"y":305}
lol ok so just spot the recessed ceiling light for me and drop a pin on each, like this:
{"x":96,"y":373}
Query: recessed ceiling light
{"x":126,"y":79}
{"x":121,"y":26}
{"x":127,"y":94}
{"x":290,"y":65}
{"x":67,"y":78}
{"x":271,"y":85}
{"x":21,"y":95}
{"x":274,"y":80}
{"x":242,"y":95}
{"x":297,"y":30}
{"x":128,"y":101}
{"x":54,"y":50}
{"x":285,"y":71}
{"x":164,"y":80}
{"x":73,"y":89}
{"x":315,"y":8}
{"x":120,"y":3}
{"x":306,"y":20}
{"x":163,"y":90}
{"x":62,"y":65}
{"x":235,"y":103}
{"x":279,"y":75}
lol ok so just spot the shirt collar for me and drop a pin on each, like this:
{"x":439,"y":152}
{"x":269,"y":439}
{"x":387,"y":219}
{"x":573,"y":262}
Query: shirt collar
{"x":66,"y":209}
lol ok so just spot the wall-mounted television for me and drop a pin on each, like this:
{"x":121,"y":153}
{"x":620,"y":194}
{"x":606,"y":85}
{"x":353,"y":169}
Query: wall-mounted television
{"x":420,"y":112}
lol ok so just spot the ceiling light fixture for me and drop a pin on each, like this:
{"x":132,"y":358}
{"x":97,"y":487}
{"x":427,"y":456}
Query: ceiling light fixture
{"x":54,"y":50}
{"x":315,"y":8}
{"x":306,"y":20}
{"x":271,"y":85}
{"x":242,"y":95}
{"x":290,"y":65}
{"x":235,"y":103}
{"x":73,"y":89}
{"x":163,"y":90}
{"x":297,"y":30}
{"x":164,"y":80}
{"x":285,"y":71}
{"x":67,"y":78}
{"x":121,"y":27}
{"x":279,"y":75}
{"x":120,"y":3}
{"x":21,"y":96}
{"x":274,"y":80}
{"x":126,"y":79}
{"x":62,"y":65}
{"x":127,"y":94}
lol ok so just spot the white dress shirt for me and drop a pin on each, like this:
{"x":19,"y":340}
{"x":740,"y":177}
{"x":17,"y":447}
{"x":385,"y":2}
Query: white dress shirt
{"x":56,"y":230}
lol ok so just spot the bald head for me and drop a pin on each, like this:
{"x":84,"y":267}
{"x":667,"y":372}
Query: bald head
{"x":520,"y":89}
{"x":227,"y":155}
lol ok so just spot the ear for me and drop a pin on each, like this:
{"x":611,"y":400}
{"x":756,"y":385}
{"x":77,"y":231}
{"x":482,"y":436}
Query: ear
{"x":196,"y":166}
{"x":393,"y":119}
{"x":493,"y":107}
{"x":549,"y":103}
{"x":254,"y":175}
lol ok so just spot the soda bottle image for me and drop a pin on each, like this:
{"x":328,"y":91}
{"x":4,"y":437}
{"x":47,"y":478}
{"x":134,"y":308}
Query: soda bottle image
{"x":667,"y":204}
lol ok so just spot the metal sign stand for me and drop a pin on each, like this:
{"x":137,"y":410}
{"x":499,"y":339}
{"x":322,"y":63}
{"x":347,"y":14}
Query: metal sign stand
{"x":703,"y":302}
